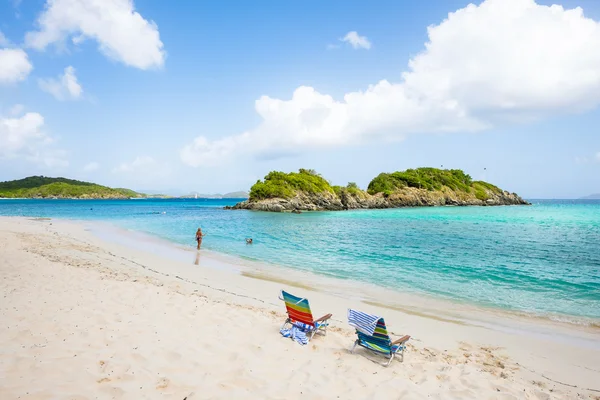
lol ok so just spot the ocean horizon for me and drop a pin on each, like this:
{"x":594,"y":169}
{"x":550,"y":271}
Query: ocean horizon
{"x":542,"y":260}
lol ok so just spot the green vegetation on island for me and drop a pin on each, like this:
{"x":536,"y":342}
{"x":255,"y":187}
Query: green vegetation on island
{"x":307,"y":190}
{"x":45,"y":187}
{"x":431,"y":179}
{"x":285,"y":185}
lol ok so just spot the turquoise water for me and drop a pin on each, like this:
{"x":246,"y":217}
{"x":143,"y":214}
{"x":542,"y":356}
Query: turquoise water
{"x":543,"y":259}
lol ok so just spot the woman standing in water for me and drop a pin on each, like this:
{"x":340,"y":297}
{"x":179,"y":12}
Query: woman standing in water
{"x":199,"y":236}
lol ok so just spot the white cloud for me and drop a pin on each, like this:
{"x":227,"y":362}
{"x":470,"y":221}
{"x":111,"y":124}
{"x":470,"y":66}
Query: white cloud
{"x":356,"y":41}
{"x":4,"y":40}
{"x":594,"y":158}
{"x":14,"y":66}
{"x":121,"y":32}
{"x":24,"y":137}
{"x":16,"y":133}
{"x":142,"y":170}
{"x":17,"y":109}
{"x":92,"y":166}
{"x":141,"y":163}
{"x":65,"y":87}
{"x":504,"y":61}
{"x":51,"y":158}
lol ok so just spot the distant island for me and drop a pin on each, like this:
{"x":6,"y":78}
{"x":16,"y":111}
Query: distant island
{"x":306,"y":190}
{"x":595,"y":196}
{"x":42,"y":187}
{"x":61,"y":188}
{"x":231,"y":195}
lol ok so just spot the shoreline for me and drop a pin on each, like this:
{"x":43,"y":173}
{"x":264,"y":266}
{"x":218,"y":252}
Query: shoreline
{"x":258,"y":269}
{"x":458,"y":351}
{"x":430,"y":303}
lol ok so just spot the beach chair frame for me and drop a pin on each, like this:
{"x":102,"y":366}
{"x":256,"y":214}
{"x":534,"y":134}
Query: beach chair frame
{"x":390,"y":355}
{"x":314,"y":326}
{"x":380,"y":342}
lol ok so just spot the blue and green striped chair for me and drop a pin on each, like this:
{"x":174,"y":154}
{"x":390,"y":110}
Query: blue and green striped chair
{"x":373,"y":335}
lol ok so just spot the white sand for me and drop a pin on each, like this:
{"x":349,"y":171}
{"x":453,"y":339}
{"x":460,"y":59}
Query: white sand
{"x":85,"y":319}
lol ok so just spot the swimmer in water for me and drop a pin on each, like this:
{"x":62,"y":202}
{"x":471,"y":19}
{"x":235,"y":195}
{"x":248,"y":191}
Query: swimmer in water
{"x":249,"y":241}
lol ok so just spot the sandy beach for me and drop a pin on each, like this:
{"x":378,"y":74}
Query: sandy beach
{"x":88,"y":318}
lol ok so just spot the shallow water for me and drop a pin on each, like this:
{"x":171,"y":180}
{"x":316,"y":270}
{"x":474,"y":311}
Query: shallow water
{"x":543,"y":259}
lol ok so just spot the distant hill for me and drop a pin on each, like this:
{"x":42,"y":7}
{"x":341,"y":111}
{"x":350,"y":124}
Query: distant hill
{"x":595,"y":196}
{"x":63,"y":188}
{"x":236,"y":195}
{"x":231,"y":195}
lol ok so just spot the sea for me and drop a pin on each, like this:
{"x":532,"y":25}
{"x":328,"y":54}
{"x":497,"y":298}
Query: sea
{"x":542,"y":259}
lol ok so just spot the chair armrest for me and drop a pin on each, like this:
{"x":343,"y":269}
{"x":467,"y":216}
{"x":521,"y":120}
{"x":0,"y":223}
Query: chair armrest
{"x":402,"y":339}
{"x":323,"y":318}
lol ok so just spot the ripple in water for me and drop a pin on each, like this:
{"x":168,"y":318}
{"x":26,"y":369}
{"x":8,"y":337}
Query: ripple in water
{"x":543,"y":259}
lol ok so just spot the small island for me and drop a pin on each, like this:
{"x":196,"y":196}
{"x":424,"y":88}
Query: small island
{"x":306,"y":190}
{"x":231,"y":195}
{"x":595,"y":196}
{"x":41,"y":187}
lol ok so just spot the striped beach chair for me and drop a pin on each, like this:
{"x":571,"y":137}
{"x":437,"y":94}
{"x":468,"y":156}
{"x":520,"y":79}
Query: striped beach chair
{"x":299,"y":315}
{"x":373,"y":335}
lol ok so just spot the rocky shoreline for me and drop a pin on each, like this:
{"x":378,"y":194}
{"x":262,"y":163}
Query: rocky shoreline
{"x":407,"y":197}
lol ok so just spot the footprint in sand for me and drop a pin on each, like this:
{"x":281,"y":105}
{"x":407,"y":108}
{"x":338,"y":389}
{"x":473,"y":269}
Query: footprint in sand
{"x":102,"y":365}
{"x":162,"y":383}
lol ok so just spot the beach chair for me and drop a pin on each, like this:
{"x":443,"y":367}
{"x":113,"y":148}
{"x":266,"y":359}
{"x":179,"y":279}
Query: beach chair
{"x":373,"y":335}
{"x":299,"y":315}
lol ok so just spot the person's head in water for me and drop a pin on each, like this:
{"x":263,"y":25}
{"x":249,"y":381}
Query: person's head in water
{"x":249,"y":241}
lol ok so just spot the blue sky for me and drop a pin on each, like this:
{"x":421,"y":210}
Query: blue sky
{"x":210,"y":96}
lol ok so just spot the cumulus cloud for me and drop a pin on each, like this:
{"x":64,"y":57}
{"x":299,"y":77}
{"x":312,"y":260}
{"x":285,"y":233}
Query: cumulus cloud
{"x":24,"y":137}
{"x":91,"y":167}
{"x":122,"y":33}
{"x":65,"y":87}
{"x":356,"y":41}
{"x":14,"y":66}
{"x":503,"y":61}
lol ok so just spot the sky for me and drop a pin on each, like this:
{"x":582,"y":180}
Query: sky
{"x":188,"y":96}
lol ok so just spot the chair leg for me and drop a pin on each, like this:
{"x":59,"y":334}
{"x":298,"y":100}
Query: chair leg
{"x":353,"y":347}
{"x":287,"y":321}
{"x":390,"y":360}
{"x":323,"y":329}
